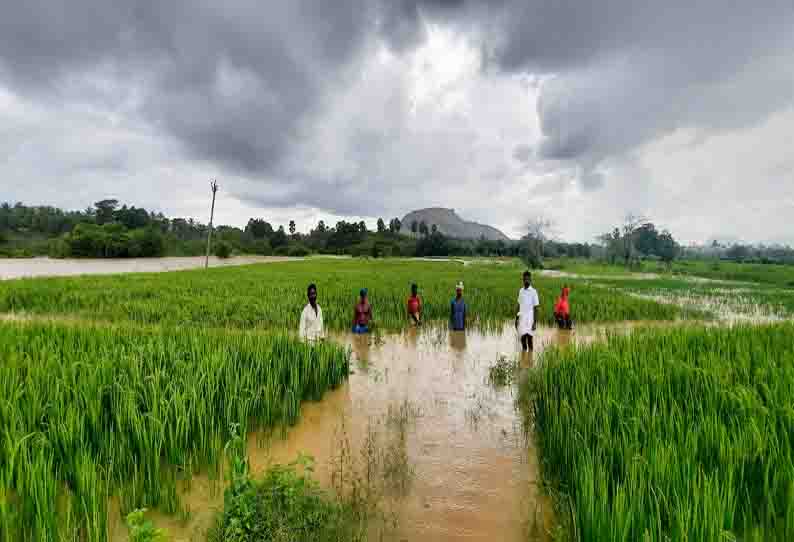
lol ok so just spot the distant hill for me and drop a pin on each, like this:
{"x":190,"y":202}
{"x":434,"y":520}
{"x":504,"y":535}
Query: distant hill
{"x":451,"y":225}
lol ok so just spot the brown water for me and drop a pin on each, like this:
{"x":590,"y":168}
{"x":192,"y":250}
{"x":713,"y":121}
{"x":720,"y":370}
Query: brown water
{"x":474,"y":472}
{"x":49,"y":267}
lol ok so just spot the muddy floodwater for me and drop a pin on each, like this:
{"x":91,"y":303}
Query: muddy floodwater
{"x":51,"y":267}
{"x":471,"y":471}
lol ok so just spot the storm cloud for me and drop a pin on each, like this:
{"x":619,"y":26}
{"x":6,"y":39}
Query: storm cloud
{"x":373,"y":107}
{"x":230,"y":80}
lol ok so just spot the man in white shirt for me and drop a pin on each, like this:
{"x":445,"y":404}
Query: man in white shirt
{"x":527,"y":318}
{"x":311,"y":325}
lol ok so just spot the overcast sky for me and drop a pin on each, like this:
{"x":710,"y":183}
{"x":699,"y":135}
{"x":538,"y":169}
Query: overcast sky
{"x":578,"y":111}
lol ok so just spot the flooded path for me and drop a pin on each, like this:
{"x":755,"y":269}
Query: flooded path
{"x":471,"y":471}
{"x":52,"y":267}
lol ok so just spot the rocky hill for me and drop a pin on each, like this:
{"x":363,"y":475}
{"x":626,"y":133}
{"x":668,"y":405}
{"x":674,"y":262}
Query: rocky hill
{"x":451,"y":225}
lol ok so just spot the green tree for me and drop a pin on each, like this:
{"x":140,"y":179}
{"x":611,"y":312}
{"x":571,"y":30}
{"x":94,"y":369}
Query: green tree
{"x":434,"y":244}
{"x":395,"y":225}
{"x":222,"y":249}
{"x":739,"y":253}
{"x":381,"y":226}
{"x":292,"y":228}
{"x":132,"y":217}
{"x":631,"y":225}
{"x":258,"y":228}
{"x":646,"y":239}
{"x":279,"y":238}
{"x":105,"y":210}
{"x":423,"y":228}
{"x":613,"y":245}
{"x":539,"y":231}
{"x":667,"y":248}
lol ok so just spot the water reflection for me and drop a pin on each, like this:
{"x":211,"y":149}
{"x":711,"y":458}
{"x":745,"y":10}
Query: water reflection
{"x":457,"y":341}
{"x":360,"y":345}
{"x":526,"y":359}
{"x":564,"y":337}
{"x":411,"y":336}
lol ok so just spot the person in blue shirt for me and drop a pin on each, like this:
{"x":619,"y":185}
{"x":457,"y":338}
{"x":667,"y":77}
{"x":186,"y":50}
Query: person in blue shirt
{"x":457,"y":313}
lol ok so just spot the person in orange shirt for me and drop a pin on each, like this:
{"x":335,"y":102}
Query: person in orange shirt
{"x":414,"y":305}
{"x":562,"y":309}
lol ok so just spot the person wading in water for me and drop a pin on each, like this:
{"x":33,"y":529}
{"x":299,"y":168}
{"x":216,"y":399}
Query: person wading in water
{"x":311,"y":324}
{"x":562,"y":310}
{"x":414,"y":305}
{"x":457,"y":310}
{"x":527,"y":317}
{"x":362,"y":313}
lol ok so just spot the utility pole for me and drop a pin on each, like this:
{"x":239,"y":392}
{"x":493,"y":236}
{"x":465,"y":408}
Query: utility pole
{"x":214,"y":186}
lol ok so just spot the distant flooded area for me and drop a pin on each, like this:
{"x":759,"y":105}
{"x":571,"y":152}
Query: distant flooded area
{"x":52,"y":267}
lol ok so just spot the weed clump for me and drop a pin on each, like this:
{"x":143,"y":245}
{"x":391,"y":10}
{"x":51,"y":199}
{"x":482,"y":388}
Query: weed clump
{"x":503,"y":372}
{"x":142,"y":530}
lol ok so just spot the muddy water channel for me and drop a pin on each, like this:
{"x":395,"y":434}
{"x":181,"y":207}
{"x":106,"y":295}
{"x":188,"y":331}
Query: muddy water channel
{"x":464,"y":467}
{"x":51,"y":267}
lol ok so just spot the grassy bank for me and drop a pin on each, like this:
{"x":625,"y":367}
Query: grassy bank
{"x":94,"y":411}
{"x":272,"y":295}
{"x":771,"y":274}
{"x":682,"y":434}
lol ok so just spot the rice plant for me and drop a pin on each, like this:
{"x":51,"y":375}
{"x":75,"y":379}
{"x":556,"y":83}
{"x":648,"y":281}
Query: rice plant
{"x":271,"y":296}
{"x":89,"y":412}
{"x":678,"y":434}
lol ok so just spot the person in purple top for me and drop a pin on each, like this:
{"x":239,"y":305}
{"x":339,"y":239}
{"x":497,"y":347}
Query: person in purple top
{"x":457,"y":310}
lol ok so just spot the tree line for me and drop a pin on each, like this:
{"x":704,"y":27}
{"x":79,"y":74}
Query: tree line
{"x":109,"y":228}
{"x":639,"y":239}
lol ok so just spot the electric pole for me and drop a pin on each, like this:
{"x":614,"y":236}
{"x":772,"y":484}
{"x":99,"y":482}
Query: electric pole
{"x":214,"y":186}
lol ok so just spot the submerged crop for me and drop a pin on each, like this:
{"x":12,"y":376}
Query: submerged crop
{"x":89,"y":412}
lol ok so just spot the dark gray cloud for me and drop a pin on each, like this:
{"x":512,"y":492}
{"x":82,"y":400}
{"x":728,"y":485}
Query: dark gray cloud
{"x":233,"y":80}
{"x":230,"y":80}
{"x":288,"y":96}
{"x":622,"y":73}
{"x":522,"y":153}
{"x":402,"y":22}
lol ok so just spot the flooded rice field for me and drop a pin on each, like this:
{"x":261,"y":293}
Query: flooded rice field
{"x":729,"y":306}
{"x":51,"y":267}
{"x":461,"y":464}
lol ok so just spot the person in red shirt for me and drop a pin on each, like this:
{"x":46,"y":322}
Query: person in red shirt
{"x":562,"y":309}
{"x":414,"y":305}
{"x":362,"y":314}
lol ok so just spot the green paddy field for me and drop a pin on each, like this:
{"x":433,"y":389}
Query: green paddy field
{"x":117,"y":389}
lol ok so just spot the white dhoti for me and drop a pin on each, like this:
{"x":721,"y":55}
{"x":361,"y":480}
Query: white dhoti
{"x":525,"y":322}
